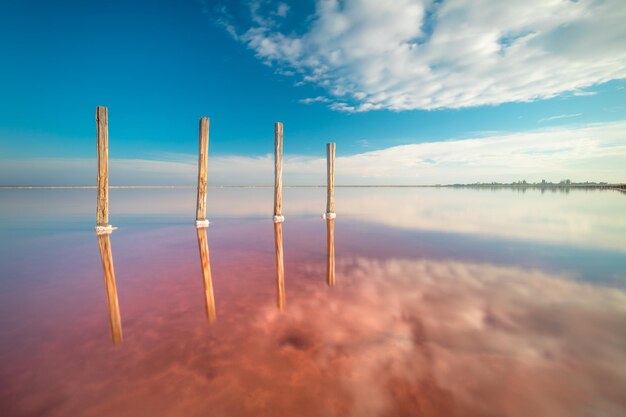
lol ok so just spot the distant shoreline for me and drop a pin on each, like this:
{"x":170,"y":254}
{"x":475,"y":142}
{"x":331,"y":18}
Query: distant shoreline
{"x":621,"y":187}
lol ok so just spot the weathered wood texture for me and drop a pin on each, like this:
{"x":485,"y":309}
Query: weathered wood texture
{"x":205,"y":261}
{"x":102,"y":149}
{"x":280,"y":269}
{"x":330,"y":258}
{"x":330,"y":177}
{"x":203,"y":158}
{"x":104,"y":243}
{"x":278,"y":169}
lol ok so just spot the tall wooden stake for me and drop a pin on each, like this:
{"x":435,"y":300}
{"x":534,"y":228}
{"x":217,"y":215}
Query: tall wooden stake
{"x":330,"y":213}
{"x":102,"y":147}
{"x":203,"y":158}
{"x":330,"y":177}
{"x":115,"y":320}
{"x":278,"y":169}
{"x":205,"y":261}
{"x":278,"y":214}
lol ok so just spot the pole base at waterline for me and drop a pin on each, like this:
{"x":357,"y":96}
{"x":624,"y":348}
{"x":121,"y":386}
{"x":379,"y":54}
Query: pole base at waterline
{"x":202,"y":224}
{"x":105,"y":230}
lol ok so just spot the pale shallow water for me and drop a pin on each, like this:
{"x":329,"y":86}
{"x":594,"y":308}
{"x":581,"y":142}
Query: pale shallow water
{"x":447,"y":303}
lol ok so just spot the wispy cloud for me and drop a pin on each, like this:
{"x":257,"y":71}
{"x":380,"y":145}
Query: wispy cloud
{"x":318,"y":99}
{"x":282,"y":9}
{"x":558,"y":117}
{"x":584,"y":93}
{"x":594,"y":152}
{"x":421,"y":54}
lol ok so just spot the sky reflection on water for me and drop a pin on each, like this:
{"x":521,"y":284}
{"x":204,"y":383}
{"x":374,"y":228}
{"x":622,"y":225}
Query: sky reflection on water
{"x":419,"y":322}
{"x":587,"y":218}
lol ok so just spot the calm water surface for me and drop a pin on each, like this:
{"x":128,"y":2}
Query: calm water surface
{"x":446,"y":303}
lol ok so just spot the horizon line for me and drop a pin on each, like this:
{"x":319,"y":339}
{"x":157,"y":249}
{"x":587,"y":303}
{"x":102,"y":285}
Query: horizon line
{"x":213,"y":186}
{"x":539,"y":185}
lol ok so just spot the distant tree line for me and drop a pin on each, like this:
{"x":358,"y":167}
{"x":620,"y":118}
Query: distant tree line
{"x":566,"y":183}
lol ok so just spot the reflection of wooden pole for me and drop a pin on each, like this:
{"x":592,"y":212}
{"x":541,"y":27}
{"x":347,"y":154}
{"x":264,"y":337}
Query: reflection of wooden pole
{"x":209,"y":298}
{"x":203,"y":158}
{"x":104,"y":243}
{"x":330,"y":259}
{"x":278,"y":169}
{"x":102,"y":147}
{"x":330,"y":170}
{"x":280,"y":269}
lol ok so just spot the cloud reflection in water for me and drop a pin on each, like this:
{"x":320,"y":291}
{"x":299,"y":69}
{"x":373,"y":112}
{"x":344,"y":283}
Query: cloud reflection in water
{"x":394,"y":337}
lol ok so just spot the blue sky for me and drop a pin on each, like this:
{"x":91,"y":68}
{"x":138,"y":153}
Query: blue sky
{"x":424,"y":92}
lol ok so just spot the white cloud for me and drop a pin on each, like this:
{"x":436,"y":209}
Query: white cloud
{"x":593,"y":152}
{"x":424,"y":54}
{"x":558,"y":117}
{"x":318,"y":99}
{"x":584,"y":93}
{"x":282,"y":9}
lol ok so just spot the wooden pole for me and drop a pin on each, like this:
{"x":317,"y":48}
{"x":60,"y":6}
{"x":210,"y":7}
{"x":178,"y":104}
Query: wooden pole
{"x":330,"y":177}
{"x":278,"y":217}
{"x":102,"y":147}
{"x":280,"y":269}
{"x":278,"y":169}
{"x":330,"y":258}
{"x":115,"y":321}
{"x":330,"y":213}
{"x":203,"y":158}
{"x":205,"y":261}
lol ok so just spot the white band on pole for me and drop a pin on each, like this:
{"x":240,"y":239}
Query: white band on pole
{"x":202,"y":223}
{"x":278,"y":219}
{"x":105,"y":230}
{"x":329,"y":216}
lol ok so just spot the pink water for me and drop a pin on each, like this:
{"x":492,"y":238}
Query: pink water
{"x":422,"y":321}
